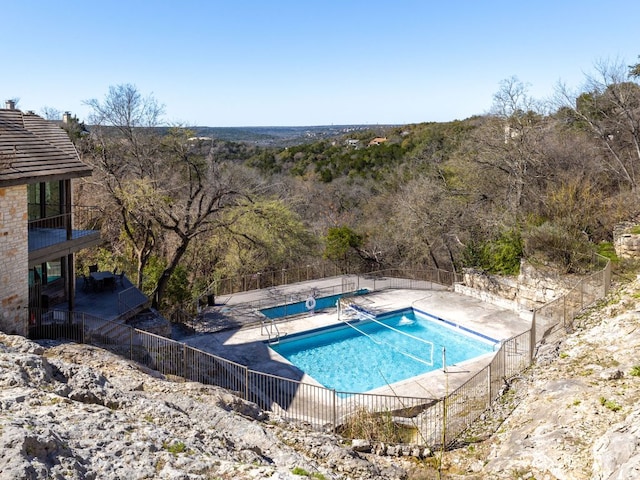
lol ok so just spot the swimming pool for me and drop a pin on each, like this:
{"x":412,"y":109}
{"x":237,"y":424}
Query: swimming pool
{"x":367,"y":354}
{"x":305,"y":306}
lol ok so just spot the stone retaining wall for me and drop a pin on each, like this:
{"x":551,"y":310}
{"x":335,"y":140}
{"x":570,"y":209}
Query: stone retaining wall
{"x":531,"y":289}
{"x":625,"y":241}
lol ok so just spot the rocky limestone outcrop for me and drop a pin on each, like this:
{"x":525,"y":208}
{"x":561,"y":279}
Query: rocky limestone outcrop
{"x":616,"y":454}
{"x":575,"y":414}
{"x":77,"y":412}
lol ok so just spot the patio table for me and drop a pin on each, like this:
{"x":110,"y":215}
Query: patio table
{"x":104,"y":279}
{"x":100,"y":276}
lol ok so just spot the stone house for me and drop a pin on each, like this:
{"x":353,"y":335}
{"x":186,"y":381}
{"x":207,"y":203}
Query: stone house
{"x":40,"y":228}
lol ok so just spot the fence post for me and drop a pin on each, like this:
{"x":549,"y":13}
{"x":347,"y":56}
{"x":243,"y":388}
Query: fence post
{"x":334,"y":421}
{"x":532,"y":337}
{"x":506,"y":369}
{"x":444,"y":420}
{"x":489,"y":395}
{"x":246,"y":383}
{"x":184,"y":361}
{"x":444,"y":359}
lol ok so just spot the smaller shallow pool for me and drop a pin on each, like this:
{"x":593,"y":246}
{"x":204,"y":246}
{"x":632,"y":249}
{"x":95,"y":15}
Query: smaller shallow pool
{"x":305,"y":306}
{"x":367,"y":354}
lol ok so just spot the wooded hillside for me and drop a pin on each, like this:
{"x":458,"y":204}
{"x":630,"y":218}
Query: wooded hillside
{"x":531,"y":178}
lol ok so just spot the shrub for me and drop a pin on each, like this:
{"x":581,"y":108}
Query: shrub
{"x":557,"y":244}
{"x":610,"y":404}
{"x":175,"y":447}
{"x":302,"y":472}
{"x":501,"y":256}
{"x":606,"y":249}
{"x":506,"y":252}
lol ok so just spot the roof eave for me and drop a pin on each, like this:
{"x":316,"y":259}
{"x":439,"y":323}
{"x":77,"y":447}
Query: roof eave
{"x":21,"y":180}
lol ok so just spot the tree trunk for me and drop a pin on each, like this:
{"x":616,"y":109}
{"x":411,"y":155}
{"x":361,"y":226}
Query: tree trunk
{"x":163,"y":281}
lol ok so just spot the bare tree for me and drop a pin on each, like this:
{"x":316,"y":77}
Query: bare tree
{"x":510,"y":144}
{"x":195,"y":195}
{"x":51,"y":113}
{"x":167,"y":186}
{"x":608,"y":107}
{"x":123,"y":145}
{"x":423,"y":222}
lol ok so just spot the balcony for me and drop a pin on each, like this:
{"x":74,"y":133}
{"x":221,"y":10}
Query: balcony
{"x":59,"y":235}
{"x":99,"y":309}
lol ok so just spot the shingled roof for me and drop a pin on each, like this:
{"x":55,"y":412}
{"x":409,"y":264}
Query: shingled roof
{"x":34,"y":150}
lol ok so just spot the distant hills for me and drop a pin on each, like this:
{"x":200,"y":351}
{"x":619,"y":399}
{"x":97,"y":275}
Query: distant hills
{"x":280,"y":136}
{"x":273,"y":136}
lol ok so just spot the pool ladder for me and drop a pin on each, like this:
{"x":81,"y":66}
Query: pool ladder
{"x":270,"y":328}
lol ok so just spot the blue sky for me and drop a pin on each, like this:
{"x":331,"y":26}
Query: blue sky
{"x":305,"y":62}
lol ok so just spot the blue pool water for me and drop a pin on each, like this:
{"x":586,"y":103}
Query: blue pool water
{"x":374,"y":355}
{"x":302,"y":307}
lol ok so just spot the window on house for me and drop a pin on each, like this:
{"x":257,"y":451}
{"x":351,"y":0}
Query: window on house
{"x":33,"y":197}
{"x":54,"y":271}
{"x":46,"y":273}
{"x":53,"y":198}
{"x":45,"y":199}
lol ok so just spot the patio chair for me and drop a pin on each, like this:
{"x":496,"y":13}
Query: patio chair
{"x":93,"y":285}
{"x":109,"y":282}
{"x":85,"y":283}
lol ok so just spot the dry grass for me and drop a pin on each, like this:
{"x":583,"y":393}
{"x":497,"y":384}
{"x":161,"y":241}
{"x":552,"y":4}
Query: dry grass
{"x":376,"y":426}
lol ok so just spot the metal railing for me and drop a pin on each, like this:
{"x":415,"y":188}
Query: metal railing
{"x":419,"y":420}
{"x":270,"y":278}
{"x":426,"y":421}
{"x":277,"y":298}
{"x":130,"y":300}
{"x":274,"y":278}
{"x":404,"y":278}
{"x":378,"y":280}
{"x":80,"y":221}
{"x":556,"y":318}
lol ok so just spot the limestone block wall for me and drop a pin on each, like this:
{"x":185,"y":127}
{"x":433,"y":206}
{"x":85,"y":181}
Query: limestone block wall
{"x":502,"y":292}
{"x":625,"y":241}
{"x":14,"y":260}
{"x":486,"y":296}
{"x":538,"y":286}
{"x":530,"y":290}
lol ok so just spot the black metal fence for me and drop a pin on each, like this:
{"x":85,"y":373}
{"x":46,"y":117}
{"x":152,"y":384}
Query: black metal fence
{"x":421,"y":420}
{"x":79,"y":221}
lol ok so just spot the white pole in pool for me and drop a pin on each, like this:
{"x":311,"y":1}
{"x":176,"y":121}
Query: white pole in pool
{"x":444,"y":359}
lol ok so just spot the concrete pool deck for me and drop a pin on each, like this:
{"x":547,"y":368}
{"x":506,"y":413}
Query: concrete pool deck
{"x":247,"y":345}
